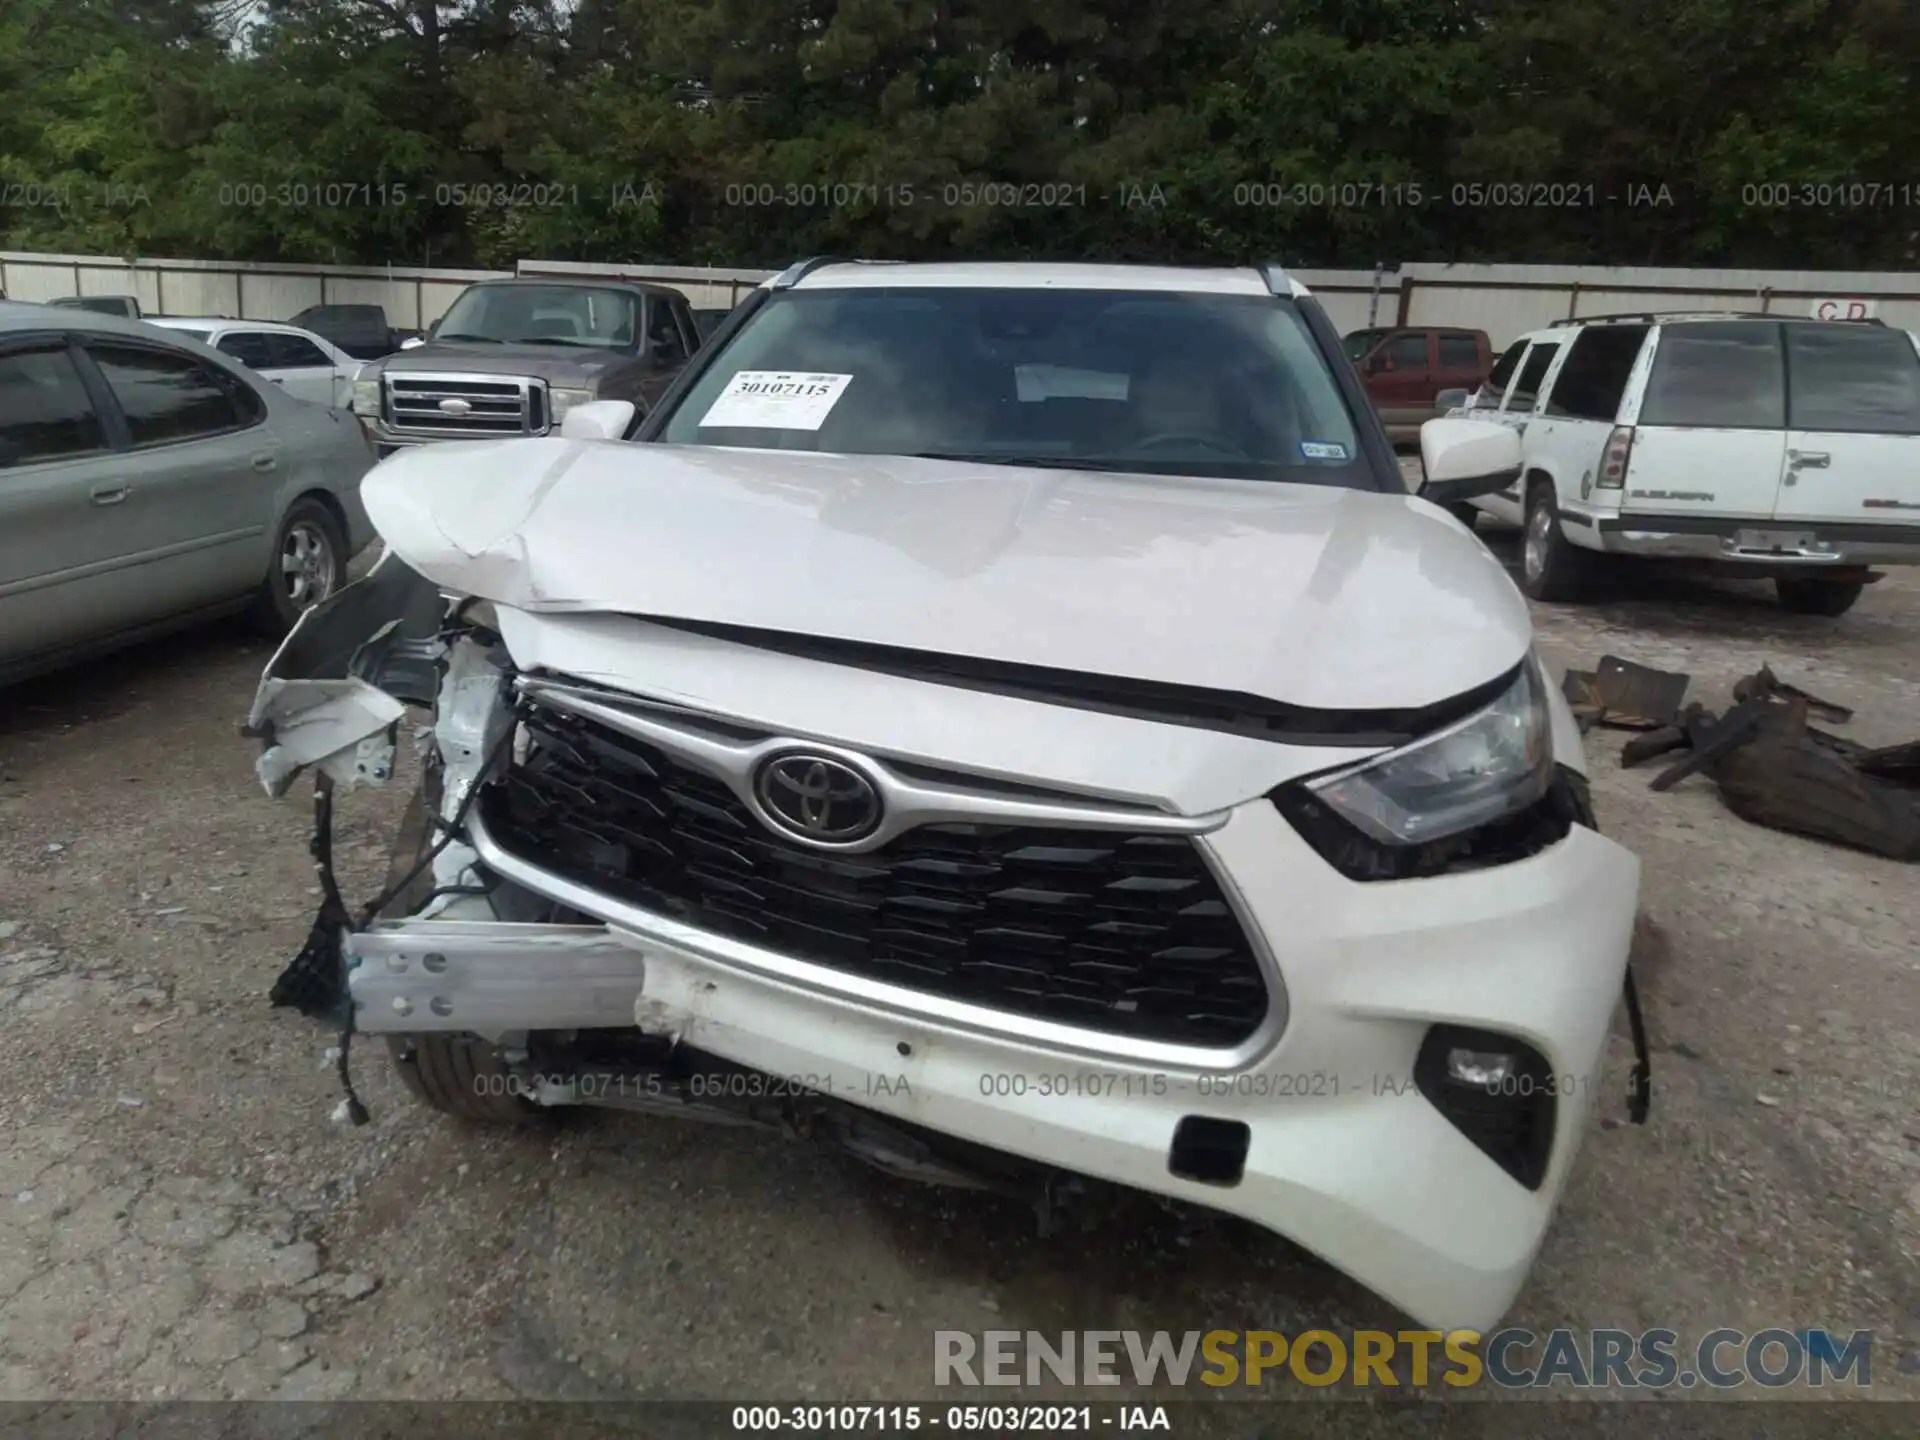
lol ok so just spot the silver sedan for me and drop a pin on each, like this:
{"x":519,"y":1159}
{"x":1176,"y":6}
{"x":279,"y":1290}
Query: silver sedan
{"x":148,"y":481}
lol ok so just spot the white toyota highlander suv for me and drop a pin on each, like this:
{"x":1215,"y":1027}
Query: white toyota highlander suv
{"x":1763,"y":447}
{"x":1010,"y":721}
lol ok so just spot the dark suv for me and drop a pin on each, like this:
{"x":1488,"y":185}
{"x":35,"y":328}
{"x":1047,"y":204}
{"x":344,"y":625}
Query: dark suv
{"x":511,"y":357}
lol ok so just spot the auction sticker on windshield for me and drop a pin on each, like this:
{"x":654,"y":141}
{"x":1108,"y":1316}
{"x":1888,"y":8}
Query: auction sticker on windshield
{"x":776,"y":400}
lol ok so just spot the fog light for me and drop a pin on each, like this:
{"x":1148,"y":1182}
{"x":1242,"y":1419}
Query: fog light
{"x":1483,"y":1069}
{"x":1497,"y":1090}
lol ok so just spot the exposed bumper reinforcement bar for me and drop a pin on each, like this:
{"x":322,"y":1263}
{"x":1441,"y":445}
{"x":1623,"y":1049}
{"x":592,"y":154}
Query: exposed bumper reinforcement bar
{"x":412,"y":976}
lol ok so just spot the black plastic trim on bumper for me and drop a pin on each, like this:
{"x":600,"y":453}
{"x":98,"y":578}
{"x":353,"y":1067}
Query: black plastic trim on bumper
{"x":1513,"y":1122}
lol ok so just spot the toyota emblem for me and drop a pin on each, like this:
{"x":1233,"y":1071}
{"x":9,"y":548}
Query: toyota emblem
{"x":818,"y":798}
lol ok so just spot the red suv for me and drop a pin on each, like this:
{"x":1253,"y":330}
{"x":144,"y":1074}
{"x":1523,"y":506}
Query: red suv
{"x":1405,"y":368}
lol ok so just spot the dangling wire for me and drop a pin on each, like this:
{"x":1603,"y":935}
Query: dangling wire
{"x":450,"y":830}
{"x":1640,"y":1097}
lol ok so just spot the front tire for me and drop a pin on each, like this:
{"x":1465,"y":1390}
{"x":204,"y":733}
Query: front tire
{"x":463,"y":1076}
{"x":1551,"y":567}
{"x":1818,"y":597}
{"x":309,"y":563}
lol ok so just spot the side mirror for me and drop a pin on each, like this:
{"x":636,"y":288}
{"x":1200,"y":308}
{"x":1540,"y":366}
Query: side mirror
{"x":1377,"y":364}
{"x":1451,"y":400}
{"x":1465,"y":459}
{"x":598,"y":420}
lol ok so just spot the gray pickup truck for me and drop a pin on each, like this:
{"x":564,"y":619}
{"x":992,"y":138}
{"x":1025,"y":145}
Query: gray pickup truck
{"x":511,"y":357}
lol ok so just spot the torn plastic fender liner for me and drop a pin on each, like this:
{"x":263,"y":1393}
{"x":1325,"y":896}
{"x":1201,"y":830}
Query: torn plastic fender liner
{"x":343,"y":726}
{"x":332,"y":692}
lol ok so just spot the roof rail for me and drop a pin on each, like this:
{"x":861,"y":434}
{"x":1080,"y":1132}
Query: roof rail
{"x":795,"y":273}
{"x":1653,"y":316}
{"x":1278,"y":281}
{"x":1648,"y":316}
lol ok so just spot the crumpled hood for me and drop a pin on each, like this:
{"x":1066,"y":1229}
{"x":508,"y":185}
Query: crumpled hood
{"x":1304,"y":595}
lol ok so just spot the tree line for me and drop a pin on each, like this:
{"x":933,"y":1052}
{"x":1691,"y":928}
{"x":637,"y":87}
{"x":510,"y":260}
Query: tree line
{"x":747,"y":132}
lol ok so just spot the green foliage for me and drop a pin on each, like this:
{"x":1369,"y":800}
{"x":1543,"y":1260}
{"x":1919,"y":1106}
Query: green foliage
{"x":1328,"y":132}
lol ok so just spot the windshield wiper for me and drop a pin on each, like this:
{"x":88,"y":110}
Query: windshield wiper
{"x":483,"y":339}
{"x":1027,"y":462}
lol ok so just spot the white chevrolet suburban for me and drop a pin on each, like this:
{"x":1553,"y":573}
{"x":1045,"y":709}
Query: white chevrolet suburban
{"x":1773,"y":448}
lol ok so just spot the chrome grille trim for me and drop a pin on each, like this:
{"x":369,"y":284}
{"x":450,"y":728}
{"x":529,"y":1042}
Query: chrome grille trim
{"x":878,"y":997}
{"x":907,"y":801}
{"x":500,"y":406}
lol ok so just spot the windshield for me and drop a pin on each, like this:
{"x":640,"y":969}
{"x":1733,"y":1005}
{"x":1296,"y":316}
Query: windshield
{"x":544,"y":315}
{"x":1159,"y":383}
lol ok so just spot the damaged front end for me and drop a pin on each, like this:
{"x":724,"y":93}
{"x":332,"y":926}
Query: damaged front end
{"x":468,"y":954}
{"x":498,"y":1002}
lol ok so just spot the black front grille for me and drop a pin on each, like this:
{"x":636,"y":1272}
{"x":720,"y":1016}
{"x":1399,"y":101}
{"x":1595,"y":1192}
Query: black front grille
{"x":1128,"y":934}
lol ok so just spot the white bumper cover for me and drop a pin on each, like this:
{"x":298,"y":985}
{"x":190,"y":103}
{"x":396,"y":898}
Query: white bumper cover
{"x":1346,"y":1158}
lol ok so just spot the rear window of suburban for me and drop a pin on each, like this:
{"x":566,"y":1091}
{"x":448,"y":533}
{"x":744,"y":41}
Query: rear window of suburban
{"x":1718,"y":375}
{"x":1858,"y":378}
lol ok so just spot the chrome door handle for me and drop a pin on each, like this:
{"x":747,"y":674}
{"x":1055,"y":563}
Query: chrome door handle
{"x":276,"y":380}
{"x":1808,"y":459}
{"x":108,"y":494}
{"x":264,"y":463}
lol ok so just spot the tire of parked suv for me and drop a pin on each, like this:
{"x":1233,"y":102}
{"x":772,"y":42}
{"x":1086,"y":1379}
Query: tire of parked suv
{"x":1818,"y":597}
{"x":1551,"y":567}
{"x":459,"y":1075}
{"x":309,"y":563}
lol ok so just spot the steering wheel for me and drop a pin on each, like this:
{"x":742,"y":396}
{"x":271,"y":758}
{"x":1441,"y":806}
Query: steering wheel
{"x":1166,"y":439}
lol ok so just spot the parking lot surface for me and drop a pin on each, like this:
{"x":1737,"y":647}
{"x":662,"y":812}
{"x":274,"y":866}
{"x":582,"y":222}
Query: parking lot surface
{"x":184,"y":1219}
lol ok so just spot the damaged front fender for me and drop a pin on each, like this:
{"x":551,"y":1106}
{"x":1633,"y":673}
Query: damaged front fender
{"x":338,"y":685}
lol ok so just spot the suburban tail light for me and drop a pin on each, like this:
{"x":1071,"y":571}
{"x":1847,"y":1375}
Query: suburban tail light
{"x":1613,"y":463}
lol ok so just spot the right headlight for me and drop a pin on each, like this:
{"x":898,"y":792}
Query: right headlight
{"x":366,"y":397}
{"x":1483,"y":791}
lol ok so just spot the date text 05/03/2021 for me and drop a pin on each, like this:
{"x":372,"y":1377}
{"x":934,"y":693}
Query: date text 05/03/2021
{"x":1261,"y":1085}
{"x":727,"y":1085}
{"x":812,"y":1419}
{"x":1018,"y":1085}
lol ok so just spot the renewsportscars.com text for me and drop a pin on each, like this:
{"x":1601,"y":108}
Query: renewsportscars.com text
{"x":1509,"y":1359}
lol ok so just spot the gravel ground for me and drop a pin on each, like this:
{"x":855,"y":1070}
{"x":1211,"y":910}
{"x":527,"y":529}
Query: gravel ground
{"x":184,"y":1220}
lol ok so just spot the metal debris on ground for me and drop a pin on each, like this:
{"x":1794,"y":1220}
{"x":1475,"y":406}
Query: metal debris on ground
{"x":1764,"y":683}
{"x":1772,"y":766}
{"x":1625,"y":696}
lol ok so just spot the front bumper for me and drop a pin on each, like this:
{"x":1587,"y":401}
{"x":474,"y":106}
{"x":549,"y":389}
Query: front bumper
{"x":386,"y":440}
{"x":1807,"y":545}
{"x":1346,"y":1157}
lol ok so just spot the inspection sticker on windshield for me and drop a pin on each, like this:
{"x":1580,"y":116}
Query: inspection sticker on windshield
{"x":1322,"y":450}
{"x":776,"y":400}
